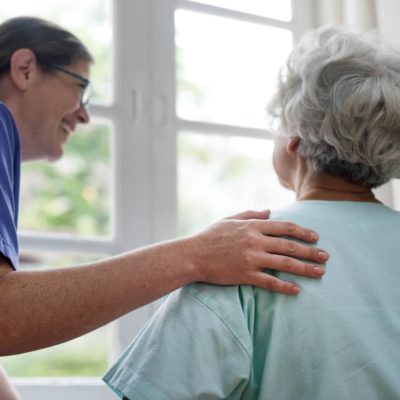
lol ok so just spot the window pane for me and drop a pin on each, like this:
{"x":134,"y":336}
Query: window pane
{"x":281,"y":9}
{"x":90,"y":20}
{"x":85,"y":356}
{"x":228,"y":73}
{"x":232,"y":174}
{"x":72,"y":195}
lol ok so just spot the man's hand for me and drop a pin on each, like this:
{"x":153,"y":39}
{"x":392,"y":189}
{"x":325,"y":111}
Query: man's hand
{"x":238,"y":249}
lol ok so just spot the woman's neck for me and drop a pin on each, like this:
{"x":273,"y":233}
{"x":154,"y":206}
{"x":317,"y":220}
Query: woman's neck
{"x":320,"y":186}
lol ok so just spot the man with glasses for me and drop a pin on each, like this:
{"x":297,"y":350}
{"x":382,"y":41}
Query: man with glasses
{"x":44,"y":92}
{"x":85,"y":83}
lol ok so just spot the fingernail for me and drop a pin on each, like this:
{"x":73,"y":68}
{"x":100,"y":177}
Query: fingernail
{"x":314,"y":236}
{"x":295,"y":290}
{"x":322,"y":255}
{"x":318,"y":271}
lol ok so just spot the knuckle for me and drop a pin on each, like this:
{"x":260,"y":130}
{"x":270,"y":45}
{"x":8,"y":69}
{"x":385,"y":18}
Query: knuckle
{"x":286,"y":264}
{"x":273,"y":284}
{"x":314,"y":253}
{"x":290,"y":226}
{"x":291,"y":246}
{"x":308,"y":269}
{"x":250,"y":258}
{"x":251,"y":238}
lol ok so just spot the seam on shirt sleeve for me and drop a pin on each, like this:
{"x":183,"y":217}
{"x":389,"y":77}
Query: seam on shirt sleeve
{"x":143,"y":390}
{"x":223,"y":323}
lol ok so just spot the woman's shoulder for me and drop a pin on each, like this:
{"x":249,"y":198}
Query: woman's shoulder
{"x":335,"y":212}
{"x":218,"y":297}
{"x":236,"y":307}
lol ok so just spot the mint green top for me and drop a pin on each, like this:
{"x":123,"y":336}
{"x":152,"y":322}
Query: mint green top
{"x":338,"y":339}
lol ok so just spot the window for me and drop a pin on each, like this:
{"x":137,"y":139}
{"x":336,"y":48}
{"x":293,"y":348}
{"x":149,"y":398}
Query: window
{"x":66,"y":208}
{"x":220,"y":75}
{"x":178,"y":140}
{"x":267,"y":8}
{"x":72,"y":196}
{"x":225,"y":76}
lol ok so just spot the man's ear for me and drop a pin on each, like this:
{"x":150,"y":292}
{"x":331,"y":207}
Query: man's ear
{"x":22,"y":67}
{"x":293,"y":145}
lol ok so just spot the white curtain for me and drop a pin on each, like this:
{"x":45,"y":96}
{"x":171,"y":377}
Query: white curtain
{"x":387,"y":16}
{"x":359,"y":15}
{"x":362,"y":16}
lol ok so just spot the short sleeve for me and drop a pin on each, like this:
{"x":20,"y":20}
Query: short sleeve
{"x":186,"y":351}
{"x":10,"y":160}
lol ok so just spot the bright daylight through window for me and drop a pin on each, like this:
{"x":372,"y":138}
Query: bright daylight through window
{"x":224,"y":78}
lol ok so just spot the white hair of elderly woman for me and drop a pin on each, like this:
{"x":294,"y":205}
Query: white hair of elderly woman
{"x":340,"y":93}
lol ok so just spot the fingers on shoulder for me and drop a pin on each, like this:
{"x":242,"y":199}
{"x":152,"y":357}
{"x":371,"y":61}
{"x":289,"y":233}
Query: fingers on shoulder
{"x":294,"y":249}
{"x":275,"y":284}
{"x":291,"y":265}
{"x":286,"y":228}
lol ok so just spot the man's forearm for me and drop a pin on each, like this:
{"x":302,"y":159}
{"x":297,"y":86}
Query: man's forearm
{"x":43,"y":308}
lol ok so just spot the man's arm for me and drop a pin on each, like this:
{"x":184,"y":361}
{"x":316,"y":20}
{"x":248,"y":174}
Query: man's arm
{"x":46,"y":307}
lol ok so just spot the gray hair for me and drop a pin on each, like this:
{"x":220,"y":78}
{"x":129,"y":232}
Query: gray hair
{"x":340,"y":93}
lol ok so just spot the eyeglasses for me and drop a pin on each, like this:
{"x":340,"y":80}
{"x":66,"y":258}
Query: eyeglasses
{"x":86,"y":84}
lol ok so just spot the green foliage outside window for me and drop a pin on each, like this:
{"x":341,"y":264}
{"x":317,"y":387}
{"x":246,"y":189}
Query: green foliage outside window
{"x":86,"y":356}
{"x":73,"y":194}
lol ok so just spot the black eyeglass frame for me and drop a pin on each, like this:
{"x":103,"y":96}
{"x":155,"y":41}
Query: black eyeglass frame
{"x":87,"y":86}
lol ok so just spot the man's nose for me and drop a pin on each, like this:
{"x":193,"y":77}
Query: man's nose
{"x":83,"y":115}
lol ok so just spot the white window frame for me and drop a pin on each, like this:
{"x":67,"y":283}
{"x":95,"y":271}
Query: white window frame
{"x":145,"y":182}
{"x":143,"y":117}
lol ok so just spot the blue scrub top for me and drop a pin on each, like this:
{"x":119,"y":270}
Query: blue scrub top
{"x":10,"y":166}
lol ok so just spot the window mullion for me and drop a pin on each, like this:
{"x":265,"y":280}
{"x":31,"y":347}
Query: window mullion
{"x":163,"y":120}
{"x":133,"y":166}
{"x":237,"y":15}
{"x":222,"y":129}
{"x":67,"y":243}
{"x":63,"y":389}
{"x":132,"y":144}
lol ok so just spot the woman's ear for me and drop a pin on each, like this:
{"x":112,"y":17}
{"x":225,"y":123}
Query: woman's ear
{"x":293,"y":145}
{"x":22,"y":66}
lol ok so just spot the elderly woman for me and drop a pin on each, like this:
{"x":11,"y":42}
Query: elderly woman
{"x":338,"y":108}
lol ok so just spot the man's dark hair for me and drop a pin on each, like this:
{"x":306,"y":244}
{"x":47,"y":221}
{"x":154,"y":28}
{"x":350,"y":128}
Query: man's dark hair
{"x":50,"y":43}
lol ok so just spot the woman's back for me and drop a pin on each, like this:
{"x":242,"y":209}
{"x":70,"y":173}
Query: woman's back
{"x":338,"y":339}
